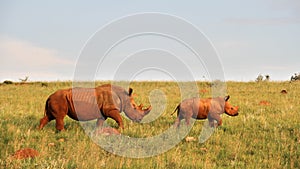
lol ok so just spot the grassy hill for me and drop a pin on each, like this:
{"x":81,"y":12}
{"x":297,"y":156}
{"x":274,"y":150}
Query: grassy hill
{"x":266,"y":134}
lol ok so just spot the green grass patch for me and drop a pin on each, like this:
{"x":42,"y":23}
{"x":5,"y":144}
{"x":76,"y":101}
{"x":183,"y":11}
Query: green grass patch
{"x":262,"y":136}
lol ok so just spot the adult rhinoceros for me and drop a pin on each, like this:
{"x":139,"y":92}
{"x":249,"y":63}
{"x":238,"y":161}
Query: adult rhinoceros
{"x":84,"y":104}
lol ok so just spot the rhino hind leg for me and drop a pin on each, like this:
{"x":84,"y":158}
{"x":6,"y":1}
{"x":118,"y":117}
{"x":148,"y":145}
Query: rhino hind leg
{"x":59,"y":123}
{"x":187,"y":120}
{"x":45,"y":120}
{"x":56,"y":113}
{"x":180,"y":116}
{"x":177,"y":122}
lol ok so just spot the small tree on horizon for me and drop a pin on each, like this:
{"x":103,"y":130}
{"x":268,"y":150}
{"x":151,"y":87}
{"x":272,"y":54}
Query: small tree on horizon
{"x":24,"y":80}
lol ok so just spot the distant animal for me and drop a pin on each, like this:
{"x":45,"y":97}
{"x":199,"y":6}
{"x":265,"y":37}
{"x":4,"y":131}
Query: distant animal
{"x":210,"y":108}
{"x":84,"y":104}
{"x":295,"y":77}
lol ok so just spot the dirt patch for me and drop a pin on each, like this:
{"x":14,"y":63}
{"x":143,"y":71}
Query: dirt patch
{"x":25,"y":153}
{"x":283,"y":91}
{"x":264,"y":103}
{"x":107,"y":131}
{"x":203,"y":91}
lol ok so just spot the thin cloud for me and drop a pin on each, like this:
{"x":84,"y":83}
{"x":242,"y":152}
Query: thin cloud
{"x":271,"y":67}
{"x":288,"y":12}
{"x":22,"y":57}
{"x":292,"y":6}
{"x":263,"y":21}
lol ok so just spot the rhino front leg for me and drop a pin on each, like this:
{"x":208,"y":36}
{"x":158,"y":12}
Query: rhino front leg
{"x":100,"y":122}
{"x":115,"y":114}
{"x":212,"y":117}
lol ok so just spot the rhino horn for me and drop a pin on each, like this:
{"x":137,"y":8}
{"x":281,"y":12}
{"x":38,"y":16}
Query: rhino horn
{"x":147,"y":110}
{"x":141,"y":106}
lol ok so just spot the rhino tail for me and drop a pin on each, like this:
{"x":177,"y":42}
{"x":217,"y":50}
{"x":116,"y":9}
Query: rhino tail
{"x":46,"y":107}
{"x":176,"y":109}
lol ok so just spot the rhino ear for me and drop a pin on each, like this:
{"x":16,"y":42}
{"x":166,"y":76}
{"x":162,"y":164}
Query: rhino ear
{"x":130,"y":91}
{"x":226,"y":98}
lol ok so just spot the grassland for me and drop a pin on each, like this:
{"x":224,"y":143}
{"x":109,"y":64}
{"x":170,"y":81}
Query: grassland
{"x":262,"y":136}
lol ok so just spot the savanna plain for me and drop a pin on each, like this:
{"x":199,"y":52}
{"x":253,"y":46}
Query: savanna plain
{"x":265,"y":134}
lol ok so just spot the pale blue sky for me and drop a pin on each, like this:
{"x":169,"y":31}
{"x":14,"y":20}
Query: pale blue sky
{"x":43,"y":40}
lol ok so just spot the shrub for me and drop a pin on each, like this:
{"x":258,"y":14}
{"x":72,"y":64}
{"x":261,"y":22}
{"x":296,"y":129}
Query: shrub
{"x":8,"y":82}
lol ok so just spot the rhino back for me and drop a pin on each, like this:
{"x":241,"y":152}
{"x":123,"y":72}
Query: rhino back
{"x":112,"y":94}
{"x":217,"y":105}
{"x":82,"y":104}
{"x":108,"y":100}
{"x":203,"y":108}
{"x":116,"y":89}
{"x":91,"y":103}
{"x":56,"y":104}
{"x":190,"y":106}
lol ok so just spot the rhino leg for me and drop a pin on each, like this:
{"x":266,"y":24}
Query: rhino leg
{"x":59,"y":113}
{"x":188,"y":116}
{"x":187,"y":121}
{"x":177,"y":122}
{"x":100,"y":122}
{"x":115,"y":114}
{"x":180,"y":115}
{"x":212,"y":117}
{"x":45,"y":120}
{"x":59,"y":124}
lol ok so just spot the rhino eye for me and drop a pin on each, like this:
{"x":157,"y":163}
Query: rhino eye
{"x":133,"y":106}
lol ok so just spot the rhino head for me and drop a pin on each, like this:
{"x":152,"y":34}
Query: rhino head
{"x":229,"y":109}
{"x":132,"y":111}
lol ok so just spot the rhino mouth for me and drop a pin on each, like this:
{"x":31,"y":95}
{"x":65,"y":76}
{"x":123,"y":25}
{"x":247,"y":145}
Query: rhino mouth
{"x":235,"y":114}
{"x":137,"y":120}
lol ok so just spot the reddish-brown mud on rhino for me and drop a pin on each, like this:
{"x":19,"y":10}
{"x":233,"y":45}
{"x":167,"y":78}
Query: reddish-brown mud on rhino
{"x":210,"y":108}
{"x":86,"y":104}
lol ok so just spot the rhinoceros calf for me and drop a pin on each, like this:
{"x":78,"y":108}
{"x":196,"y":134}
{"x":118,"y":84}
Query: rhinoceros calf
{"x":84,"y":104}
{"x":210,"y":108}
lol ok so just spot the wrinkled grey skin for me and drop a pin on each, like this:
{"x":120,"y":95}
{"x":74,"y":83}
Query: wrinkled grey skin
{"x":86,"y":104}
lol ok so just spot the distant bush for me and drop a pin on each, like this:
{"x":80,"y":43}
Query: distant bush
{"x":8,"y":82}
{"x":44,"y":84}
